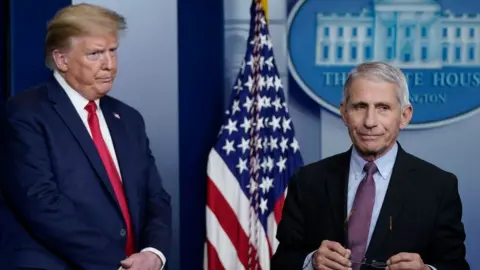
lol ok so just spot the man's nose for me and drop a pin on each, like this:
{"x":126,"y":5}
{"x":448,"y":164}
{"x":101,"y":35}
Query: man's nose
{"x":107,"y":61}
{"x":370,"y":118}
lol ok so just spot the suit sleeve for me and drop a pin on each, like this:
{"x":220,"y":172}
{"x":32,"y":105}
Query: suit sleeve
{"x":48,"y":215}
{"x":448,"y":247}
{"x":158,"y":226}
{"x":291,"y":252}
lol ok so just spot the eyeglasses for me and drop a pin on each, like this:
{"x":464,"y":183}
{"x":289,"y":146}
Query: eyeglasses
{"x":373,"y":263}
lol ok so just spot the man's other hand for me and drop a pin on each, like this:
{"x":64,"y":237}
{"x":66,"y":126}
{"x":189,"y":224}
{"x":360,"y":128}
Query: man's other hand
{"x":142,"y":261}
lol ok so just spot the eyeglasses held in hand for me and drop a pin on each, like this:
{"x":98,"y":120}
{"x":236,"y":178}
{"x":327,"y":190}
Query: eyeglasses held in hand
{"x":373,"y":263}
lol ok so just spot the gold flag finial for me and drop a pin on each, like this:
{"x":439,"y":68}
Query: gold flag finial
{"x":265,"y":8}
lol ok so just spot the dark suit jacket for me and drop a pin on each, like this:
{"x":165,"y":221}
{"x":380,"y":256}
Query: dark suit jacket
{"x":422,"y":200}
{"x":57,"y":185}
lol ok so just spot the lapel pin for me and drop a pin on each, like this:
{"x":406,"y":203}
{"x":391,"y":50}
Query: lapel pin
{"x":116,"y":115}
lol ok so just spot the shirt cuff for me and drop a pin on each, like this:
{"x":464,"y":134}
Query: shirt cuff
{"x":431,"y":267}
{"x":159,"y":254}
{"x":308,"y":263}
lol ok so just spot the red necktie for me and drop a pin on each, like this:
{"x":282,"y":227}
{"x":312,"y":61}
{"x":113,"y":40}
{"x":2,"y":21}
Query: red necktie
{"x":111,"y":171}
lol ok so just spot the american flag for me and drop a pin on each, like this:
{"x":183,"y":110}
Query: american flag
{"x":250,"y":165}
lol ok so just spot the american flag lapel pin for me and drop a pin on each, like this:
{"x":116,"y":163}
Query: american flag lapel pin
{"x":116,"y":115}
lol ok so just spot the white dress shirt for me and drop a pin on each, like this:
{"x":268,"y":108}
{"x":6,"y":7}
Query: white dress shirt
{"x":356,"y":174}
{"x":79,"y":102}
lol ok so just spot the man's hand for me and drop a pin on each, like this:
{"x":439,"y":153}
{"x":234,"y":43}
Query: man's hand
{"x":142,"y":261}
{"x":406,"y":261}
{"x":331,"y":255}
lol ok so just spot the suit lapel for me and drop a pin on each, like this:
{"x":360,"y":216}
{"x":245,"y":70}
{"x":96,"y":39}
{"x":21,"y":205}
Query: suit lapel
{"x":393,"y":202}
{"x":66,"y":110}
{"x":122,"y":144}
{"x":337,"y":192}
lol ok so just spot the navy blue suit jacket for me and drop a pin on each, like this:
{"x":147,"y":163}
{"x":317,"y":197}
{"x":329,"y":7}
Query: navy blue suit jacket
{"x":58,"y":188}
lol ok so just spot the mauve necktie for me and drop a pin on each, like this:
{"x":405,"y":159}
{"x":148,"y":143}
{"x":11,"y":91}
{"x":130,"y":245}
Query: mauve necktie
{"x":359,"y":220}
{"x":112,"y":172}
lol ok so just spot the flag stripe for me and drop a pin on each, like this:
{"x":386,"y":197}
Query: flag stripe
{"x":228,"y":221}
{"x":213,"y":258}
{"x":225,"y":181}
{"x":221,"y":203}
{"x":272,"y":228}
{"x":264,"y":249}
{"x":278,"y":208}
{"x":219,"y":240}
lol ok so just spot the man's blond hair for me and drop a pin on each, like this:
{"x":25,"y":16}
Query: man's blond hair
{"x":79,"y":20}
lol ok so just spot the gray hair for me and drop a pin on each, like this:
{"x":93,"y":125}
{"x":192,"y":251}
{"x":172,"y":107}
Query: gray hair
{"x":379,"y":71}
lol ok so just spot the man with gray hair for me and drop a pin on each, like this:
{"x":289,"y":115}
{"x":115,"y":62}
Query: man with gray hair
{"x":374,"y":206}
{"x":81,"y":178}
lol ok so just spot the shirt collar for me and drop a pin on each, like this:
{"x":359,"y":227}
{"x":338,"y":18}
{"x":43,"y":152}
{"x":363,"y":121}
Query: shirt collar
{"x":78,"y":101}
{"x":384,"y":163}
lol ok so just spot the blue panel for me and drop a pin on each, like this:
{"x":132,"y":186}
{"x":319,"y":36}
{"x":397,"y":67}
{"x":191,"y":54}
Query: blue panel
{"x":201,"y":73}
{"x":28,"y":28}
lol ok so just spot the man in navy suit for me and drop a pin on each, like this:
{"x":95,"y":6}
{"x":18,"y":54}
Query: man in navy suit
{"x":81,"y":177}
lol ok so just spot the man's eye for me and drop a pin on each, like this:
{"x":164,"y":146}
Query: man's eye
{"x":94,"y":55}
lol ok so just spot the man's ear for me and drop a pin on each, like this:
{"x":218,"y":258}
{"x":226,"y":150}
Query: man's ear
{"x":61,"y":60}
{"x":407,"y":113}
{"x":343,"y":112}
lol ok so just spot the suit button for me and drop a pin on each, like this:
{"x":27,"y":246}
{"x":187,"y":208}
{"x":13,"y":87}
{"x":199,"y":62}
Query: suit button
{"x":123,"y":232}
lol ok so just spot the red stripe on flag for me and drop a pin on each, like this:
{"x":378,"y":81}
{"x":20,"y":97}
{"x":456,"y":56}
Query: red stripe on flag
{"x":213,"y":259}
{"x":278,"y":208}
{"x":229,"y":222}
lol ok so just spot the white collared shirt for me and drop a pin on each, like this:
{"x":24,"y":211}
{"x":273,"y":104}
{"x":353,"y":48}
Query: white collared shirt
{"x":79,"y":102}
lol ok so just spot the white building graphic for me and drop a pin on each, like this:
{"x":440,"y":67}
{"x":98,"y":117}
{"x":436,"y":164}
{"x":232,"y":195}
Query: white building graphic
{"x":405,"y":33}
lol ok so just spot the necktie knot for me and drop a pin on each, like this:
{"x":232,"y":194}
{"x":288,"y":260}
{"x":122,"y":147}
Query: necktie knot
{"x":91,"y":107}
{"x":370,"y":168}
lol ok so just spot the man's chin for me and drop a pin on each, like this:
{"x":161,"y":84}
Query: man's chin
{"x":371,"y":152}
{"x":367,"y":151}
{"x":368,"y":147}
{"x":102,"y":90}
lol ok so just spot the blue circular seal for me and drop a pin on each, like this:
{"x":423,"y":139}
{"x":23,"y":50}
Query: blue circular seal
{"x":437,"y":47}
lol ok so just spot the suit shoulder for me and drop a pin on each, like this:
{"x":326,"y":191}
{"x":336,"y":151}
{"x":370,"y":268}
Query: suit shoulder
{"x":435,"y":172}
{"x":30,"y":99}
{"x":313,"y":172}
{"x":325,"y":163}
